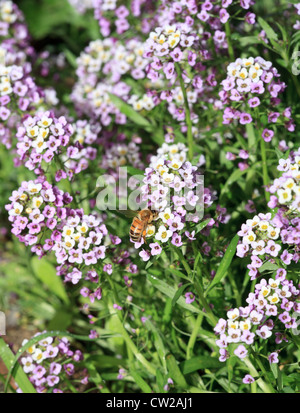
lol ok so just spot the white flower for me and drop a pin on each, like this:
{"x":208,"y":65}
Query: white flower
{"x":33,"y":131}
{"x":264,"y":225}
{"x":165,"y":215}
{"x":249,"y":238}
{"x":274,"y":283}
{"x":37,"y":201}
{"x":168,"y":178}
{"x":273,"y":233}
{"x":38,"y":356}
{"x":68,"y":231}
{"x":253,"y":222}
{"x":16,"y":210}
{"x":150,"y":230}
{"x":245,"y":325}
{"x":284,"y":196}
{"x":39,"y":144}
{"x":233,"y":314}
{"x":163,"y":234}
{"x":274,"y":299}
{"x":69,"y":243}
{"x":83,"y":228}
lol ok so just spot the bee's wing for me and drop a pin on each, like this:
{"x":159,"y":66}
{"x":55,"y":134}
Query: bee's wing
{"x":128,"y":213}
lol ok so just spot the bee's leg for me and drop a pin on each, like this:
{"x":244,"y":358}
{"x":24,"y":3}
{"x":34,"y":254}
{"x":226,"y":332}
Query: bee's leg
{"x":144,"y":236}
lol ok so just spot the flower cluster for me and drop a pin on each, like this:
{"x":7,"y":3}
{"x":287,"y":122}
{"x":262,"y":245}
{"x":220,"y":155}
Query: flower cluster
{"x":80,"y":151}
{"x":270,"y":311}
{"x":287,"y":187}
{"x":122,"y":154}
{"x":100,"y":70}
{"x":79,"y":240}
{"x":81,"y":5}
{"x":41,"y":137}
{"x":114,"y":14}
{"x":18,"y":92}
{"x":36,"y":207}
{"x":265,"y":236}
{"x":172,"y":189}
{"x":51,"y":364}
{"x":248,"y":80}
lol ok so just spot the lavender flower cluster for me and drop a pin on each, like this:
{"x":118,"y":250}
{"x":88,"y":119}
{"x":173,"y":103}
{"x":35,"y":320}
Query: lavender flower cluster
{"x":51,"y":364}
{"x":248,"y":81}
{"x":171,"y":189}
{"x":270,"y":311}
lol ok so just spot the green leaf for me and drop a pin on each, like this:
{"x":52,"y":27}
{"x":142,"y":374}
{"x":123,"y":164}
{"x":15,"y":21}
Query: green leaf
{"x":200,"y":363}
{"x":158,"y":343}
{"x":170,"y":292}
{"x":46,"y":273}
{"x":130,"y":112}
{"x":268,"y":29}
{"x":134,"y":171}
{"x":225,"y":263}
{"x":174,"y":372}
{"x":235,"y":176}
{"x":202,"y":225}
{"x":268,"y":266}
{"x":179,"y":293}
{"x":140,"y":381}
{"x":20,"y":377}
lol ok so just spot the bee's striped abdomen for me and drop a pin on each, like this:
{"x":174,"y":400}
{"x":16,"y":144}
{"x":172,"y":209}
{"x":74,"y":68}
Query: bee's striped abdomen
{"x":136,"y":229}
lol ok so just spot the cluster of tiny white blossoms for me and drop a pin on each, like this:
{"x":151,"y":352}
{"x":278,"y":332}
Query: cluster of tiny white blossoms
{"x":248,"y":68}
{"x":287,"y":187}
{"x":168,"y":37}
{"x":139,"y":103}
{"x":7,"y":13}
{"x":273,"y":298}
{"x":79,"y":240}
{"x":121,"y":154}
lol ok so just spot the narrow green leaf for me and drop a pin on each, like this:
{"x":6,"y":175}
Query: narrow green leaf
{"x":200,"y":363}
{"x":175,"y":373}
{"x":20,"y":377}
{"x":179,"y":293}
{"x":158,"y":343}
{"x":170,"y":292}
{"x":225,"y":263}
{"x":140,"y":381}
{"x":202,"y":225}
{"x":130,"y":112}
{"x":268,"y":29}
{"x":46,"y":272}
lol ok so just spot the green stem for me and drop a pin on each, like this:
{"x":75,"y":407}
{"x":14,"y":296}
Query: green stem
{"x":210,"y":315}
{"x":266,"y":179}
{"x":266,"y":388}
{"x":131,"y":345}
{"x":228,"y":38}
{"x":187,"y":112}
{"x":205,"y":304}
{"x":192,"y":340}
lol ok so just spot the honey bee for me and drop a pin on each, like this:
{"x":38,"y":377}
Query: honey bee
{"x":140,"y":223}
